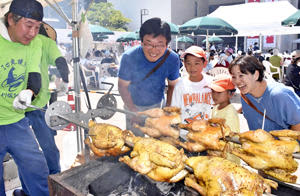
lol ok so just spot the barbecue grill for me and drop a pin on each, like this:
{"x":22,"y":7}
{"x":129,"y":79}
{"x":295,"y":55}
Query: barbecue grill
{"x":107,"y":176}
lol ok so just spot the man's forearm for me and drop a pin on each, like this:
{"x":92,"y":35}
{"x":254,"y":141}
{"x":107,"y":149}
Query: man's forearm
{"x":169,"y":95}
{"x":296,"y":127}
{"x":126,"y":97}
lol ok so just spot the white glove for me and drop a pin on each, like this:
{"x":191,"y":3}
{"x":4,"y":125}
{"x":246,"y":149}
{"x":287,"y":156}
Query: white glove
{"x":63,"y":88}
{"x":23,"y":99}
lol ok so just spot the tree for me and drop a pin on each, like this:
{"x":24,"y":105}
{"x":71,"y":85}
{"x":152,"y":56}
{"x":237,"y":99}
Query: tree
{"x":105,"y":15}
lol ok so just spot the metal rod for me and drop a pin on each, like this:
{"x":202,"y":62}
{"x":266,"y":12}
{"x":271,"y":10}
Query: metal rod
{"x":191,"y":170}
{"x":35,"y":107}
{"x":264,"y":118}
{"x":122,"y":111}
{"x":73,"y":121}
{"x":75,"y":43}
{"x":59,"y":11}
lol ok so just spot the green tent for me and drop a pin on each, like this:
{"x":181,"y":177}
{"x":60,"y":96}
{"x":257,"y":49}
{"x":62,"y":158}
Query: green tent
{"x":214,"y":39}
{"x":207,"y":26}
{"x":100,"y":30}
{"x":292,"y":20}
{"x":129,"y":37}
{"x":174,"y":28}
{"x":185,"y":39}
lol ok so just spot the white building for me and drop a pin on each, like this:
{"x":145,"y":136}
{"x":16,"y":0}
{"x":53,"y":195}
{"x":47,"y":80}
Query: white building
{"x":180,"y":11}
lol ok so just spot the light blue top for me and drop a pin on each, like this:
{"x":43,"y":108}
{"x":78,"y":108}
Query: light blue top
{"x":282,"y":105}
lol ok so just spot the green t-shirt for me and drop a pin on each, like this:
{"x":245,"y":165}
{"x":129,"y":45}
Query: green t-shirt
{"x":50,"y":53}
{"x":16,"y":61}
{"x":275,"y":61}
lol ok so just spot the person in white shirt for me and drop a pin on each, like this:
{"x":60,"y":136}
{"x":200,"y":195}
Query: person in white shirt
{"x":191,"y":93}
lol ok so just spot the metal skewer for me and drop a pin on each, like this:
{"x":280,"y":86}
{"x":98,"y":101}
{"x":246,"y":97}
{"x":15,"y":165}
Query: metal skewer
{"x":35,"y":107}
{"x":263,"y":122}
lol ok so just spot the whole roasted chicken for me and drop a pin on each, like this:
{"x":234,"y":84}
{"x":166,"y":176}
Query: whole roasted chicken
{"x":273,"y":156}
{"x":205,"y":135}
{"x":160,"y":121}
{"x":157,"y":159}
{"x":218,"y":176}
{"x":105,"y":139}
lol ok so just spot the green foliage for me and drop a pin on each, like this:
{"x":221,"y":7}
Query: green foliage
{"x":105,"y":15}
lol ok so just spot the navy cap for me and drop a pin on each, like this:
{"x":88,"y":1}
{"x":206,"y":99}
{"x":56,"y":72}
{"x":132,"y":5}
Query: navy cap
{"x":27,"y":8}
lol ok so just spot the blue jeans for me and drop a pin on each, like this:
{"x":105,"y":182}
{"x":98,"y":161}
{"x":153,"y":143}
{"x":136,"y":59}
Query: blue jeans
{"x":45,"y":137}
{"x":18,"y":140}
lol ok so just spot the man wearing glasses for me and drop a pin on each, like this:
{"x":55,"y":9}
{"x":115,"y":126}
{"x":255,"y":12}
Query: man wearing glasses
{"x":141,"y":86}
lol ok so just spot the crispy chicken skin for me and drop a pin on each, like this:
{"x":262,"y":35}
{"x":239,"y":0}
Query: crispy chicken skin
{"x":286,"y":133}
{"x":159,"y":122}
{"x":106,"y":139}
{"x":273,"y":156}
{"x":214,"y":176}
{"x":157,"y":159}
{"x":205,"y":135}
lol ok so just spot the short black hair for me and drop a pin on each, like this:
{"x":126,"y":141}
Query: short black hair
{"x":155,"y":27}
{"x":248,"y":64}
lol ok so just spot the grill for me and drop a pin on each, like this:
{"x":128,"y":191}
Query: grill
{"x":107,"y":176}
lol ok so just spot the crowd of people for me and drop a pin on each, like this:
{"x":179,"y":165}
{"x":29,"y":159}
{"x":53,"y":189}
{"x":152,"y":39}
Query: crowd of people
{"x":143,"y":75}
{"x":100,"y":64}
{"x":266,"y":103}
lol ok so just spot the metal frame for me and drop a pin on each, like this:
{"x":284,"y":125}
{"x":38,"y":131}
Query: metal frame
{"x":75,"y":54}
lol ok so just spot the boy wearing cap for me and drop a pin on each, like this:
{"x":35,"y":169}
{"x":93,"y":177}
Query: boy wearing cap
{"x":191,"y":93}
{"x":20,"y":82}
{"x":222,"y":91}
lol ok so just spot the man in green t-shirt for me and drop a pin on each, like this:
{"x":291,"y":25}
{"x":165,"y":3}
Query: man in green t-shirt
{"x":20,"y":82}
{"x":51,"y":55}
{"x":276,"y":61}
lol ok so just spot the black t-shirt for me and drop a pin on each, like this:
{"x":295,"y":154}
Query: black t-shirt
{"x":292,"y":77}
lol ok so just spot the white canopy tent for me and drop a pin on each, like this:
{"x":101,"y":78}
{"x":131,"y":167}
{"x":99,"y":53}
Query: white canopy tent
{"x":253,"y":19}
{"x":4,"y":5}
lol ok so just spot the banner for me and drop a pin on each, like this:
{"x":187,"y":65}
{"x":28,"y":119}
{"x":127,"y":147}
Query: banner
{"x":269,"y":41}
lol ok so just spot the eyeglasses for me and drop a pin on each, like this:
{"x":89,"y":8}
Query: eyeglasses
{"x":150,"y":46}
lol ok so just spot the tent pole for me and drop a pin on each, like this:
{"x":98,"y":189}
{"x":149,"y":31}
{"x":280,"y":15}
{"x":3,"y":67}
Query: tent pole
{"x":59,"y":11}
{"x":176,"y":43}
{"x":207,"y":44}
{"x":76,"y":59}
{"x":236,"y":44}
{"x":245,"y":44}
{"x":260,"y":41}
